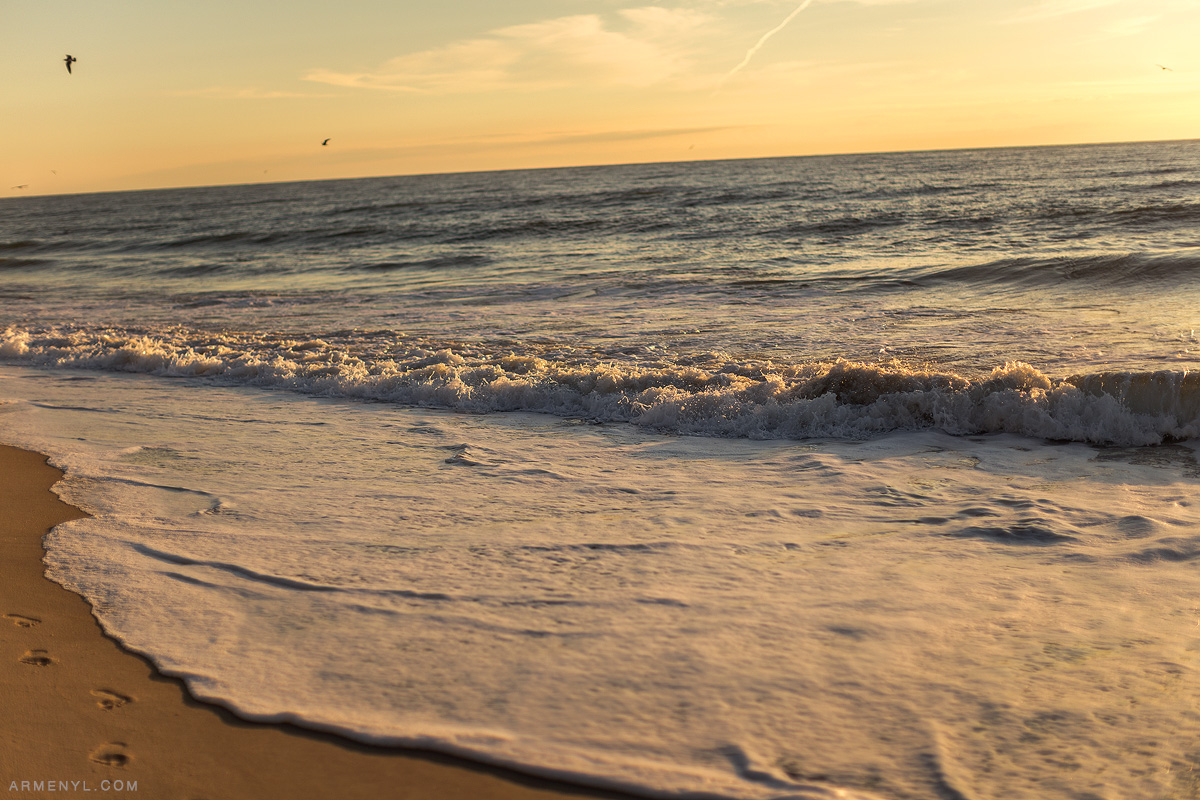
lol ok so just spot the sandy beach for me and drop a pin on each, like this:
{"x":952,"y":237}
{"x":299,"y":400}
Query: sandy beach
{"x":82,"y":714}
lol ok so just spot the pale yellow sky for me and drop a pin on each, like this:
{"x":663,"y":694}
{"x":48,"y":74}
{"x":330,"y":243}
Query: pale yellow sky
{"x":244,"y":91}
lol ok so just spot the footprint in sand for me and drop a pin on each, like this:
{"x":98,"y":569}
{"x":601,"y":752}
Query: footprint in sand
{"x":37,"y":658}
{"x":110,"y":755}
{"x":23,"y":621}
{"x":109,"y":700}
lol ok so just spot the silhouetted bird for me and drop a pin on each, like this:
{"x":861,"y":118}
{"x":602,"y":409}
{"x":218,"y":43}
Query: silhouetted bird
{"x":1160,"y":66}
{"x":70,"y":59}
{"x":324,"y":142}
{"x":22,"y":186}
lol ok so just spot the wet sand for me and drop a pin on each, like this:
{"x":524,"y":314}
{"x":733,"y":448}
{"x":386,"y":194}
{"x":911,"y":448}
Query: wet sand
{"x":81,"y":713}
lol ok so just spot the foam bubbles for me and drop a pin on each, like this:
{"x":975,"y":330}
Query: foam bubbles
{"x":726,"y":397}
{"x":671,"y":615}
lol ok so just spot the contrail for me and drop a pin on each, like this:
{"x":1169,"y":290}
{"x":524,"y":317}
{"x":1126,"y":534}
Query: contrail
{"x":763,"y":40}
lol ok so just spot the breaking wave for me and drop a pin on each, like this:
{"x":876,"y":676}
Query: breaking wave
{"x":709,"y":394}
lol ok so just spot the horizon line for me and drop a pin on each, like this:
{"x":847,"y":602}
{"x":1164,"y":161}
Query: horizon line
{"x":834,"y":154}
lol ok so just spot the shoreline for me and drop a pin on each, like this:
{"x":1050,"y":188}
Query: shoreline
{"x":82,"y":711}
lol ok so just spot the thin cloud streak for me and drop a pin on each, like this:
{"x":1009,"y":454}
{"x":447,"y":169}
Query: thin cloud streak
{"x":229,"y":93}
{"x":1132,"y":26}
{"x":515,"y":141}
{"x":759,"y":44}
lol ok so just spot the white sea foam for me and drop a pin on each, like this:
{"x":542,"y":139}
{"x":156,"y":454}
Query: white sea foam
{"x":712,"y":395}
{"x":912,"y":615}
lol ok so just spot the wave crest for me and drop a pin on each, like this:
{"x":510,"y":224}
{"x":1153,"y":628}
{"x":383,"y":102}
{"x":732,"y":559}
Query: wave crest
{"x":723,"y":397}
{"x":1120,"y":269}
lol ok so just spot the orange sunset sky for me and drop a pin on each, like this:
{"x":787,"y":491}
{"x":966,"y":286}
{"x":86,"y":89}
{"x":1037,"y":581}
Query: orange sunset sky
{"x":244,"y":91}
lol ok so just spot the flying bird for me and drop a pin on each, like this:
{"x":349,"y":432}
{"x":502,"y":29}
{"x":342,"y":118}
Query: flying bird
{"x":325,"y":142}
{"x":70,"y":59}
{"x":22,"y":186}
{"x":1160,"y":66}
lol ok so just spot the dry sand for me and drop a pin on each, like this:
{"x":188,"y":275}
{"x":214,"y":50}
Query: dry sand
{"x":79,"y":711}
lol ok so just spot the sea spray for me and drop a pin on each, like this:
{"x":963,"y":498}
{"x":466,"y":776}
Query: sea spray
{"x":724,"y":397}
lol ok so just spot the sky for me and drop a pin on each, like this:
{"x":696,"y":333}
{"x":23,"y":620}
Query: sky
{"x":245,"y":91}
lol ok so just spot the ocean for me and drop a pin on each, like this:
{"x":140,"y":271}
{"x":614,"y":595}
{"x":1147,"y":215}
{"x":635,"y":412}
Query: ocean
{"x":863,"y":476}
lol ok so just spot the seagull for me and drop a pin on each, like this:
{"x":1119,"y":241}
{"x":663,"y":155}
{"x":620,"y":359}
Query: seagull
{"x":325,"y":142}
{"x":22,"y":186}
{"x":69,"y":59}
{"x":1160,"y":66}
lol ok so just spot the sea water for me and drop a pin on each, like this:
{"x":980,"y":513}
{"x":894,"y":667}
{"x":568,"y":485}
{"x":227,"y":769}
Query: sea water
{"x":861,"y":476}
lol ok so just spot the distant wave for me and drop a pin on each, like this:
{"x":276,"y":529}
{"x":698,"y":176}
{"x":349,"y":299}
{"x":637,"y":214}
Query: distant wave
{"x":1177,"y":184}
{"x":436,"y":262}
{"x":378,"y":208}
{"x":1134,"y":270}
{"x":236,"y":237}
{"x":143,"y":239}
{"x":846,"y":225}
{"x":1096,"y":269}
{"x":1140,"y":172}
{"x":17,"y":263}
{"x":38,"y":246}
{"x":554,"y":227}
{"x":265,"y":238}
{"x":1173,"y":214}
{"x":709,"y":395}
{"x":709,"y":222}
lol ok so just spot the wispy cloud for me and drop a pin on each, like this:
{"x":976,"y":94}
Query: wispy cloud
{"x":1051,"y":9}
{"x":651,"y":46}
{"x":528,"y":139}
{"x":1130,"y":26}
{"x":637,"y":47}
{"x":726,"y":3}
{"x":231,"y":93}
{"x":624,"y":136}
